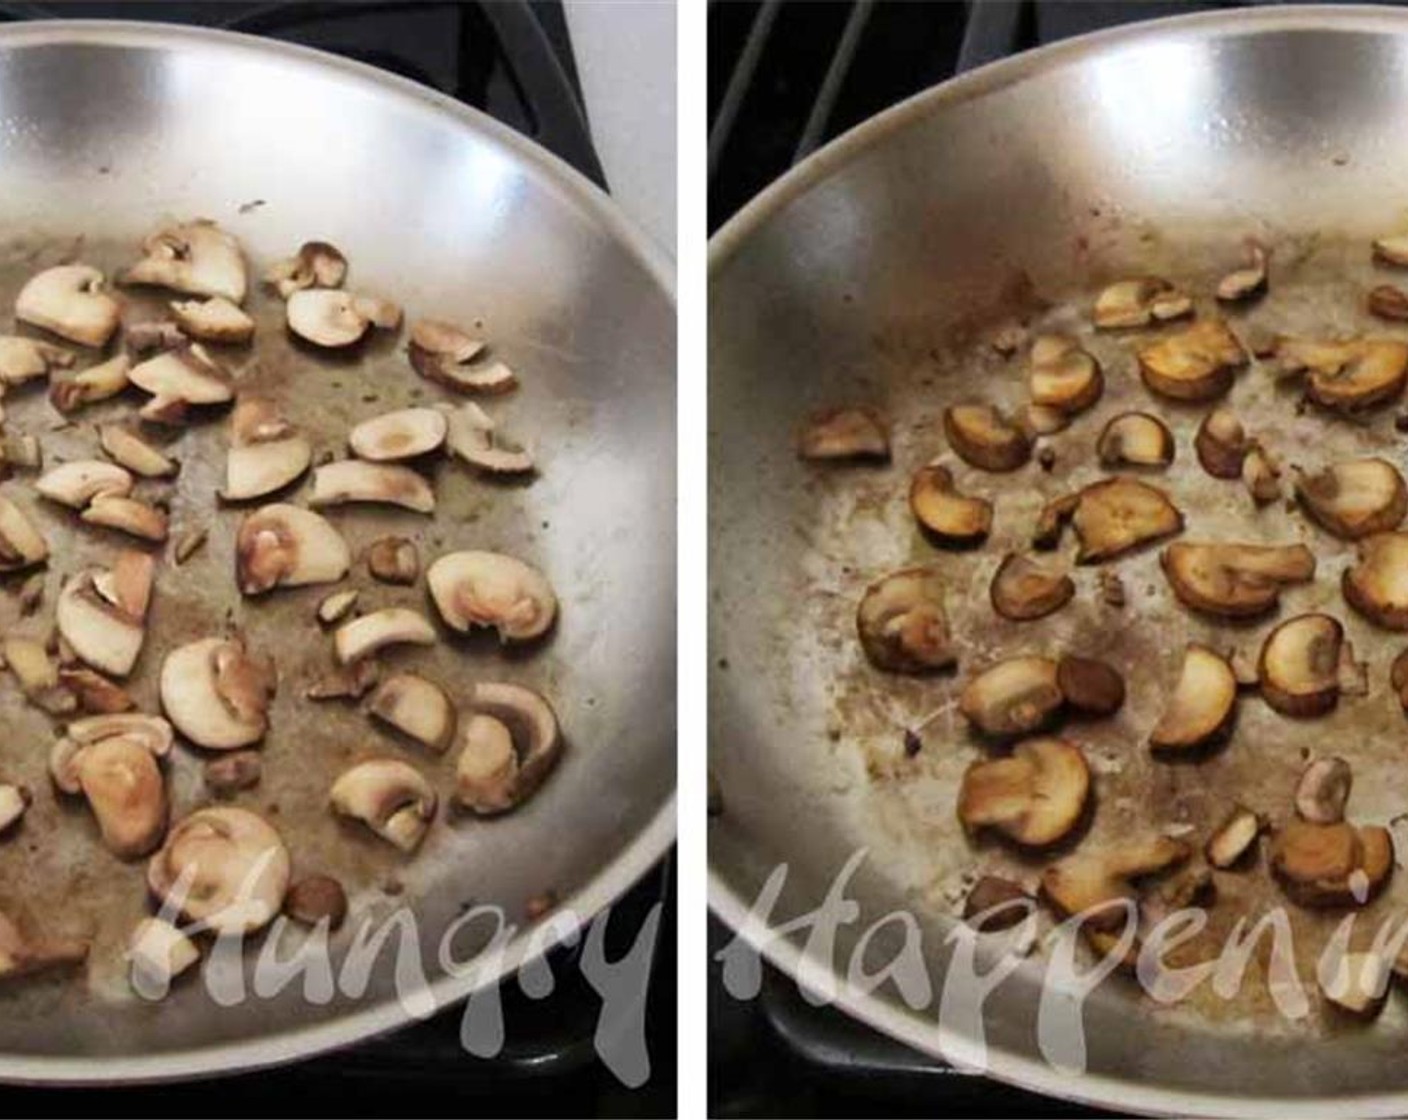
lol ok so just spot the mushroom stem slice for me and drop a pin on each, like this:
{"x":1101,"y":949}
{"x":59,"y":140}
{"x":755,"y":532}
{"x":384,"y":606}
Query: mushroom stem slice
{"x":475,"y":438}
{"x":1014,"y":697}
{"x":1135,"y":439}
{"x":1024,"y":588}
{"x":1222,"y":444}
{"x":198,"y":258}
{"x":1202,"y":705}
{"x":355,"y":481}
{"x":1034,"y":797}
{"x":416,"y":707}
{"x":371,"y":633}
{"x":940,"y":508}
{"x":1234,"y":580}
{"x":982,"y":437}
{"x":1300,"y":665}
{"x":902,"y":624}
{"x":1356,"y":498}
{"x":287,"y":546}
{"x":1196,"y":364}
{"x":490,"y":589}
{"x":1233,"y":838}
{"x":389,"y":797}
{"x":1120,"y":514}
{"x":509,"y":745}
{"x":1377,"y":584}
{"x":1323,"y":791}
{"x":405,"y":434}
{"x":69,"y":300}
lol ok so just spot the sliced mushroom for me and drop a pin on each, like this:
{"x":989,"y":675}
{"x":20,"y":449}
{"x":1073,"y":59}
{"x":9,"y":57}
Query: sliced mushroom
{"x":266,"y":452}
{"x":127,"y":515}
{"x":403,"y":434}
{"x":146,"y":336}
{"x":103,"y":634}
{"x":508,"y":747}
{"x":77,"y":483}
{"x":1388,"y":302}
{"x":118,"y":775}
{"x":1261,"y":475}
{"x":1016,"y":696}
{"x":1195,"y":364}
{"x":1355,"y":498}
{"x":1233,"y":838}
{"x":21,"y":955}
{"x":24,"y":359}
{"x":1392,"y":250}
{"x":996,"y":903}
{"x":1346,"y":376}
{"x":371,"y":633}
{"x":70,"y":301}
{"x":491,"y":589}
{"x":393,"y":560}
{"x":940,"y":508}
{"x":38,"y":676}
{"x":474,"y":437}
{"x":1119,"y":514}
{"x":1377,"y":585}
{"x":198,"y":258}
{"x":1034,"y":797}
{"x":1235,"y":580}
{"x":213,"y":320}
{"x":1137,"y":303}
{"x":844,"y":433}
{"x":1023,"y":588}
{"x":217,"y":693}
{"x":416,"y":707}
{"x":315,"y":899}
{"x":443,"y":353}
{"x":902,"y":623}
{"x":389,"y":797}
{"x":159,"y":952}
{"x":1090,"y":686}
{"x":96,"y":383}
{"x":95,"y":693}
{"x":316,"y":265}
{"x":130,"y":450}
{"x":1039,"y":420}
{"x":286,"y":546}
{"x":21,"y":544}
{"x":1135,"y":439}
{"x":1052,"y":520}
{"x":1202,"y":705}
{"x":1331,"y":864}
{"x":1300,"y":665}
{"x":178,"y":379}
{"x":1063,"y":376}
{"x":14,"y":802}
{"x":332,"y":318}
{"x":1222,"y":444}
{"x":1245,"y":283}
{"x":982,"y":437}
{"x":1086,"y":883}
{"x":345,"y":682}
{"x":1359,"y":984}
{"x":336,"y":606}
{"x":224,"y":867}
{"x":352,"y":480}
{"x":1323,"y":791}
{"x":232,"y":772}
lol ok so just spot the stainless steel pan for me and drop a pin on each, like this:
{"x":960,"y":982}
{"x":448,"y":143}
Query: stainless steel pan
{"x":108,"y":129}
{"x":874,"y":272}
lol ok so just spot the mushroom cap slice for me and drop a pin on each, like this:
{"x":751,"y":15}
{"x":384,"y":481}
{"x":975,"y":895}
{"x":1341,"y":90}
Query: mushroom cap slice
{"x":224,"y":867}
{"x":1023,"y":588}
{"x":353,"y":480}
{"x":403,"y":434}
{"x":1094,"y":878}
{"x":1347,"y":376}
{"x":1063,"y":376}
{"x":198,"y":258}
{"x":1090,"y":686}
{"x":982,"y":437}
{"x":1233,"y":838}
{"x":1247,"y":282}
{"x":390,"y":797}
{"x":1195,"y":364}
{"x":474,"y":437}
{"x":286,"y":546}
{"x":21,"y":544}
{"x":1016,"y":696}
{"x":130,"y":450}
{"x":317,"y":264}
{"x":1356,"y":498}
{"x":941,"y":509}
{"x":69,"y":300}
{"x":902,"y":623}
{"x":1222,"y":444}
{"x":1377,"y":585}
{"x":96,"y":383}
{"x":102,"y":634}
{"x":181,"y":377}
{"x":1234,"y":580}
{"x":216,"y":319}
{"x":390,"y":626}
{"x":77,"y":483}
{"x":1299,"y":668}
{"x":490,"y":589}
{"x":1119,"y":514}
{"x":1202,"y":705}
{"x":1034,"y":797}
{"x":1138,"y":302}
{"x":327,"y":317}
{"x":263,"y":468}
{"x":509,"y":745}
{"x":445,"y":340}
{"x":844,"y":433}
{"x":416,"y":707}
{"x":217,"y":694}
{"x":1135,"y":439}
{"x":1322,"y":864}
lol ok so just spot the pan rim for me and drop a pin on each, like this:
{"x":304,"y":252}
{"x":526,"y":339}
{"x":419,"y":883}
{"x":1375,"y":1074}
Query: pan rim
{"x":642,"y":851}
{"x":725,"y":901}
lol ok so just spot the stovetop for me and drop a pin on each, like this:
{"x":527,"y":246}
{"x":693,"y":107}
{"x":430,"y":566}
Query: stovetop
{"x":512,"y":59}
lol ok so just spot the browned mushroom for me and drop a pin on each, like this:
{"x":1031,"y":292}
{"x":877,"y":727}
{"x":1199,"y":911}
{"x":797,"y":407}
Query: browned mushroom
{"x":1197,"y":363}
{"x":1355,"y":498}
{"x":101,"y":615}
{"x":266,"y":452}
{"x":1377,"y":585}
{"x":1392,"y":250}
{"x":1248,"y":282}
{"x":403,"y":434}
{"x":1233,"y":838}
{"x":212,"y":320}
{"x":96,"y":383}
{"x":1135,"y":439}
{"x":1349,"y":375}
{"x":131,"y":451}
{"x":1234,"y":580}
{"x":1331,"y":864}
{"x":1323,"y":791}
{"x":352,"y":480}
{"x":198,"y":258}
{"x":1090,"y":686}
{"x":844,"y":433}
{"x":1120,"y":514}
{"x":390,"y":797}
{"x":508,"y":746}
{"x":112,"y":761}
{"x":286,"y":546}
{"x":1202,"y":705}
{"x":217,"y":693}
{"x":21,"y":544}
{"x":902,"y":623}
{"x":1088,"y":882}
{"x":940,"y":508}
{"x":996,"y":903}
{"x":1015,"y":696}
{"x":1137,"y":303}
{"x":490,"y":589}
{"x":1222,"y":444}
{"x":443,"y":353}
{"x":1024,"y":588}
{"x":982,"y":437}
{"x":332,"y":318}
{"x":179,"y":379}
{"x":1388,"y":302}
{"x":1063,"y":376}
{"x":1035,"y":797}
{"x":371,"y":633}
{"x":473,"y":437}
{"x":317,"y":264}
{"x":416,"y":707}
{"x":1302,"y":664}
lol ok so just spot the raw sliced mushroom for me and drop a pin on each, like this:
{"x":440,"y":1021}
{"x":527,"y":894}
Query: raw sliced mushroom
{"x":317,"y":264}
{"x":1233,"y":838}
{"x":982,"y":437}
{"x":842,"y":433}
{"x":1035,"y":796}
{"x":1088,"y":882}
{"x":1355,"y":498}
{"x":940,"y":508}
{"x":198,"y":258}
{"x":1346,"y":376}
{"x":1359,"y":984}
{"x":213,"y":320}
{"x":89,"y":386}
{"x":404,"y":434}
{"x":287,"y":546}
{"x":1301,"y":665}
{"x":14,"y":802}
{"x":127,"y":515}
{"x":179,"y":379}
{"x":1377,"y":585}
{"x":1016,"y":696}
{"x":25,"y":359}
{"x":223,"y":867}
{"x":159,"y":952}
{"x":77,"y":483}
{"x":1024,"y":588}
{"x":352,"y":480}
{"x":371,"y":633}
{"x":130,"y":450}
{"x":106,"y":635}
{"x":22,"y":956}
{"x":1331,"y":864}
{"x":1119,"y":514}
{"x":1089,"y":686}
{"x":69,"y":300}
{"x":443,"y":353}
{"x":217,"y":693}
{"x":473,"y":437}
{"x":493,"y":590}
{"x":902,"y":623}
{"x":508,"y":747}
{"x":393,"y":560}
{"x":118,"y":775}
{"x":416,"y":707}
{"x":1197,"y":363}
{"x":1137,"y":303}
{"x":21,"y":544}
{"x":1234,"y":580}
{"x":1135,"y":439}
{"x":1244,"y":283}
{"x":1222,"y":444}
{"x":390,"y":797}
{"x":332,"y":318}
{"x":1202,"y":705}
{"x":1392,"y":250}
{"x":266,"y":452}
{"x":1063,"y":376}
{"x":1323,"y":791}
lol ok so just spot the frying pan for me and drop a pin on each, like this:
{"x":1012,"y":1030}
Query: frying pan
{"x":875,"y":273}
{"x":107,"y":131}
